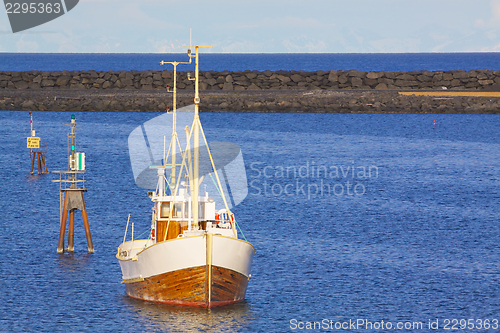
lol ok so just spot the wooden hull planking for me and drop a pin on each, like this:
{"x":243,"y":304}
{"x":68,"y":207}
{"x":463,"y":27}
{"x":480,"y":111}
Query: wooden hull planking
{"x":190,"y":287}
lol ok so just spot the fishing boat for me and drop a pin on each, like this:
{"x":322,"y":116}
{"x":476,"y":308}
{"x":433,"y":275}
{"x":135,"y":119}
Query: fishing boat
{"x":193,"y":255}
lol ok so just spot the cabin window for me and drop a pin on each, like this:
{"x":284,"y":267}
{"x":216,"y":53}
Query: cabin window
{"x":165,"y":210}
{"x":177,"y":209}
{"x":201,"y":211}
{"x":186,"y":209}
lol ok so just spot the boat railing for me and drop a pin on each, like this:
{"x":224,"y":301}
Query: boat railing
{"x":132,"y":248}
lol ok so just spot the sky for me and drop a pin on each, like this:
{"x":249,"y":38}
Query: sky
{"x":264,"y":26}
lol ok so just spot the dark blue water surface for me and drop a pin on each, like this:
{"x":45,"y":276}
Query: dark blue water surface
{"x":261,"y":62}
{"x":412,"y":236}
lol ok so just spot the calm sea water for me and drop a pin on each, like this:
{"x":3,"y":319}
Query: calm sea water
{"x":413,"y":237}
{"x":261,"y":62}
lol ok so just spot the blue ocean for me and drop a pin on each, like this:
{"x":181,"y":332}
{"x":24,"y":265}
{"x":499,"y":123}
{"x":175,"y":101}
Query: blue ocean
{"x":240,"y":62}
{"x":361,"y":222}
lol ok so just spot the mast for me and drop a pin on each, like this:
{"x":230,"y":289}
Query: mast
{"x":174,"y":119}
{"x":196,"y":143}
{"x":174,"y":141}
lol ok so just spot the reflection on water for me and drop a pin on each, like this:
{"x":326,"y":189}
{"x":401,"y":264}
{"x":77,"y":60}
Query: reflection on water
{"x":34,"y":178}
{"x":73,"y":263}
{"x":169,"y":318}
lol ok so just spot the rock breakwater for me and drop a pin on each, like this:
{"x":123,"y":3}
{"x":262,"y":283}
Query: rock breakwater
{"x":481,"y":79}
{"x":335,"y":101}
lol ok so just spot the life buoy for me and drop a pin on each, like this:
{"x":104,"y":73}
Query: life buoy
{"x":222,"y":217}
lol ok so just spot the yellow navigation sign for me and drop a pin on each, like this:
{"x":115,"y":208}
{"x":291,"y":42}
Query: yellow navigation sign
{"x":33,"y":142}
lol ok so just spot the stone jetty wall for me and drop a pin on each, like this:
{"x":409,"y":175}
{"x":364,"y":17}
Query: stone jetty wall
{"x":336,"y":101}
{"x":250,"y":91}
{"x":480,"y":79}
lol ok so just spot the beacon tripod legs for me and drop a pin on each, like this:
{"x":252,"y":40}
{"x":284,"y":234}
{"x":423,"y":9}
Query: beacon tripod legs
{"x":42,"y":167}
{"x":73,"y":200}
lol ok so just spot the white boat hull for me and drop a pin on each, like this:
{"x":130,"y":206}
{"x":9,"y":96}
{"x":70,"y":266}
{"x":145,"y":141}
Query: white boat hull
{"x":205,"y":270}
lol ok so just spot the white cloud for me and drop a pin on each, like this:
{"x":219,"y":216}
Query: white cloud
{"x":495,"y":11}
{"x":266,"y":26}
{"x":64,"y":42}
{"x":438,"y":36}
{"x":304,"y":44}
{"x":240,"y":46}
{"x":396,"y":45}
{"x":441,"y":47}
{"x":132,"y":16}
{"x":494,"y":20}
{"x":294,"y":22}
{"x":26,"y":46}
{"x":166,"y":45}
{"x":495,"y":48}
